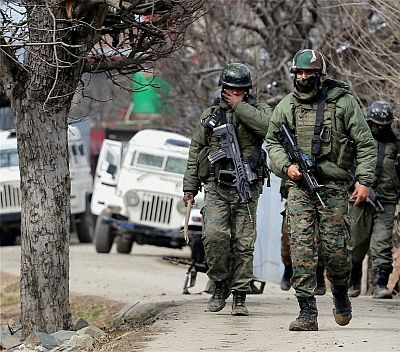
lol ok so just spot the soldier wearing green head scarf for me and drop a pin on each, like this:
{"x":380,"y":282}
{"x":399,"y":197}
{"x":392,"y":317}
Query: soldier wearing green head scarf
{"x":330,"y":129}
{"x":229,"y":234}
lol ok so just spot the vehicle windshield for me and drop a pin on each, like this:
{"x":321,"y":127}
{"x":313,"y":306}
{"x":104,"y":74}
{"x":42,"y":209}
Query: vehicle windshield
{"x":148,"y":161}
{"x":9,"y":157}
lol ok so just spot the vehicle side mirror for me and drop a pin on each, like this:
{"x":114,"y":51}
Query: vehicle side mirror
{"x":112,"y":169}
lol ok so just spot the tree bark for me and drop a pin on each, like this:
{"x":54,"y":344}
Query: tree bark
{"x":45,"y":188}
{"x":41,"y":102}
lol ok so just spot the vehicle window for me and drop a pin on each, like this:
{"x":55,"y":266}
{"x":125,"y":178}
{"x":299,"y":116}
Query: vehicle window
{"x":9,"y":157}
{"x":74,"y":149}
{"x":73,"y":156}
{"x":154,"y":161}
{"x":110,"y":158}
{"x":6,"y":120}
{"x":81,"y":150}
{"x":176,"y":165}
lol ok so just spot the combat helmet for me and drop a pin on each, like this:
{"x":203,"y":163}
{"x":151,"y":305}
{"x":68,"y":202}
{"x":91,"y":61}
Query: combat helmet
{"x":308,"y":59}
{"x":380,"y":112}
{"x":235,"y":75}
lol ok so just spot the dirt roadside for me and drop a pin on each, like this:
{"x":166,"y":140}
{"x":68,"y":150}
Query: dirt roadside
{"x":96,"y":310}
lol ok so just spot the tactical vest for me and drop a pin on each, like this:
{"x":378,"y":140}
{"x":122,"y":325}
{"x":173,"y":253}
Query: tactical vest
{"x":335,"y":144}
{"x":247,"y":140}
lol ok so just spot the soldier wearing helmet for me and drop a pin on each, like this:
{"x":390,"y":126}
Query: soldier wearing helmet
{"x":229,"y":234}
{"x":308,"y":67}
{"x":373,"y":229}
{"x":328,"y":126}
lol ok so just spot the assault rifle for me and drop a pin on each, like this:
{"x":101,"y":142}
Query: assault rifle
{"x":372,"y":199}
{"x":242,"y":176}
{"x":305,"y":164}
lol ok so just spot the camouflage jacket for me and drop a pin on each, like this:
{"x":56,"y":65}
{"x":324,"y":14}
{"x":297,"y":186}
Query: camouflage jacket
{"x":250,"y":118}
{"x":388,"y":183}
{"x":346,"y":123}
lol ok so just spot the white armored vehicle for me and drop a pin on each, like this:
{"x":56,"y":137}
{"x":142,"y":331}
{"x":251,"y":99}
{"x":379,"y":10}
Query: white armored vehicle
{"x":10,"y":199}
{"x":137,"y":193}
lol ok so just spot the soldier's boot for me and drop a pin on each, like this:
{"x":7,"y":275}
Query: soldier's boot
{"x":381,"y":277}
{"x":307,"y":319}
{"x":227,"y":290}
{"x":341,"y":305}
{"x":238,"y":304}
{"x":217,"y":300}
{"x":355,"y":280}
{"x":320,"y":289}
{"x":287,"y":275}
{"x":210,"y":287}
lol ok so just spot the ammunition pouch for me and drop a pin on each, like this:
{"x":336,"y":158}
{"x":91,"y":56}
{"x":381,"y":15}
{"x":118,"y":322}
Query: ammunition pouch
{"x":226,"y":178}
{"x":346,"y":153}
{"x":331,"y":171}
{"x":204,"y":167}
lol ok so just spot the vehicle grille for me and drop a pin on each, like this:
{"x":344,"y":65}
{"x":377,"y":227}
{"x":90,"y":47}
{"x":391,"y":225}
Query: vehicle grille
{"x":156,"y":208}
{"x":10,"y":196}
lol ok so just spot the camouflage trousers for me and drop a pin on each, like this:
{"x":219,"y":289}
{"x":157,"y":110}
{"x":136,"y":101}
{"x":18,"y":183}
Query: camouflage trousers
{"x":372,"y":230}
{"x":229,"y":236}
{"x":285,"y":246}
{"x":308,"y":220}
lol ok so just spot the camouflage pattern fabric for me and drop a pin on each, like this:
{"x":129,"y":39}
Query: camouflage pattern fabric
{"x":372,"y":230}
{"x":229,"y":236}
{"x":285,"y":246}
{"x":303,"y":212}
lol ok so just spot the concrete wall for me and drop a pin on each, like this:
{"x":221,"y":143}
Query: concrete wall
{"x":267,"y":255}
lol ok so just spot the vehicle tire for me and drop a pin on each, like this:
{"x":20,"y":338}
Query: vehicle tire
{"x":103,"y":236}
{"x":124,"y":244}
{"x":84,"y":224}
{"x":10,"y":237}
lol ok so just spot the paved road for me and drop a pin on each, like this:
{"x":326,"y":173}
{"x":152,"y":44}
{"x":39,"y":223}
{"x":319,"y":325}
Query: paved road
{"x":375,"y":327}
{"x":143,"y":276}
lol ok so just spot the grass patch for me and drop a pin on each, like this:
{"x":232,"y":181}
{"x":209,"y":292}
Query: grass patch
{"x":96,"y":310}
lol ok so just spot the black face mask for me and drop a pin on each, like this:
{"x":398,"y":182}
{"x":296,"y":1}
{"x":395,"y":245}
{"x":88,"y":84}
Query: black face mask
{"x":381,"y":134}
{"x":307,"y":85}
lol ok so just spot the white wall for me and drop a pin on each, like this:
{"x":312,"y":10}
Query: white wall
{"x":267,"y":254}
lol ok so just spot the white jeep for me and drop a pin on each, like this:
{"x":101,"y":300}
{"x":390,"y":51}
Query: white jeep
{"x":10,"y":198}
{"x":137,"y":194}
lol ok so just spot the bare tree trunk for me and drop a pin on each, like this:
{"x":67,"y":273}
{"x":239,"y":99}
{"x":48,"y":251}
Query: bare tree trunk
{"x":41,"y":102}
{"x":45,"y":186}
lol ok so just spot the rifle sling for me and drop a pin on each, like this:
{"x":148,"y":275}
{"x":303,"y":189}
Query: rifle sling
{"x":319,"y":119}
{"x":379,"y":163}
{"x":222,"y":113}
{"x":255,"y":154}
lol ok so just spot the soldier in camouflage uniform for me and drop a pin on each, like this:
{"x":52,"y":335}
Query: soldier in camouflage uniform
{"x":371,"y":229}
{"x":342,"y":136}
{"x":286,"y":258}
{"x":229,"y":234}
